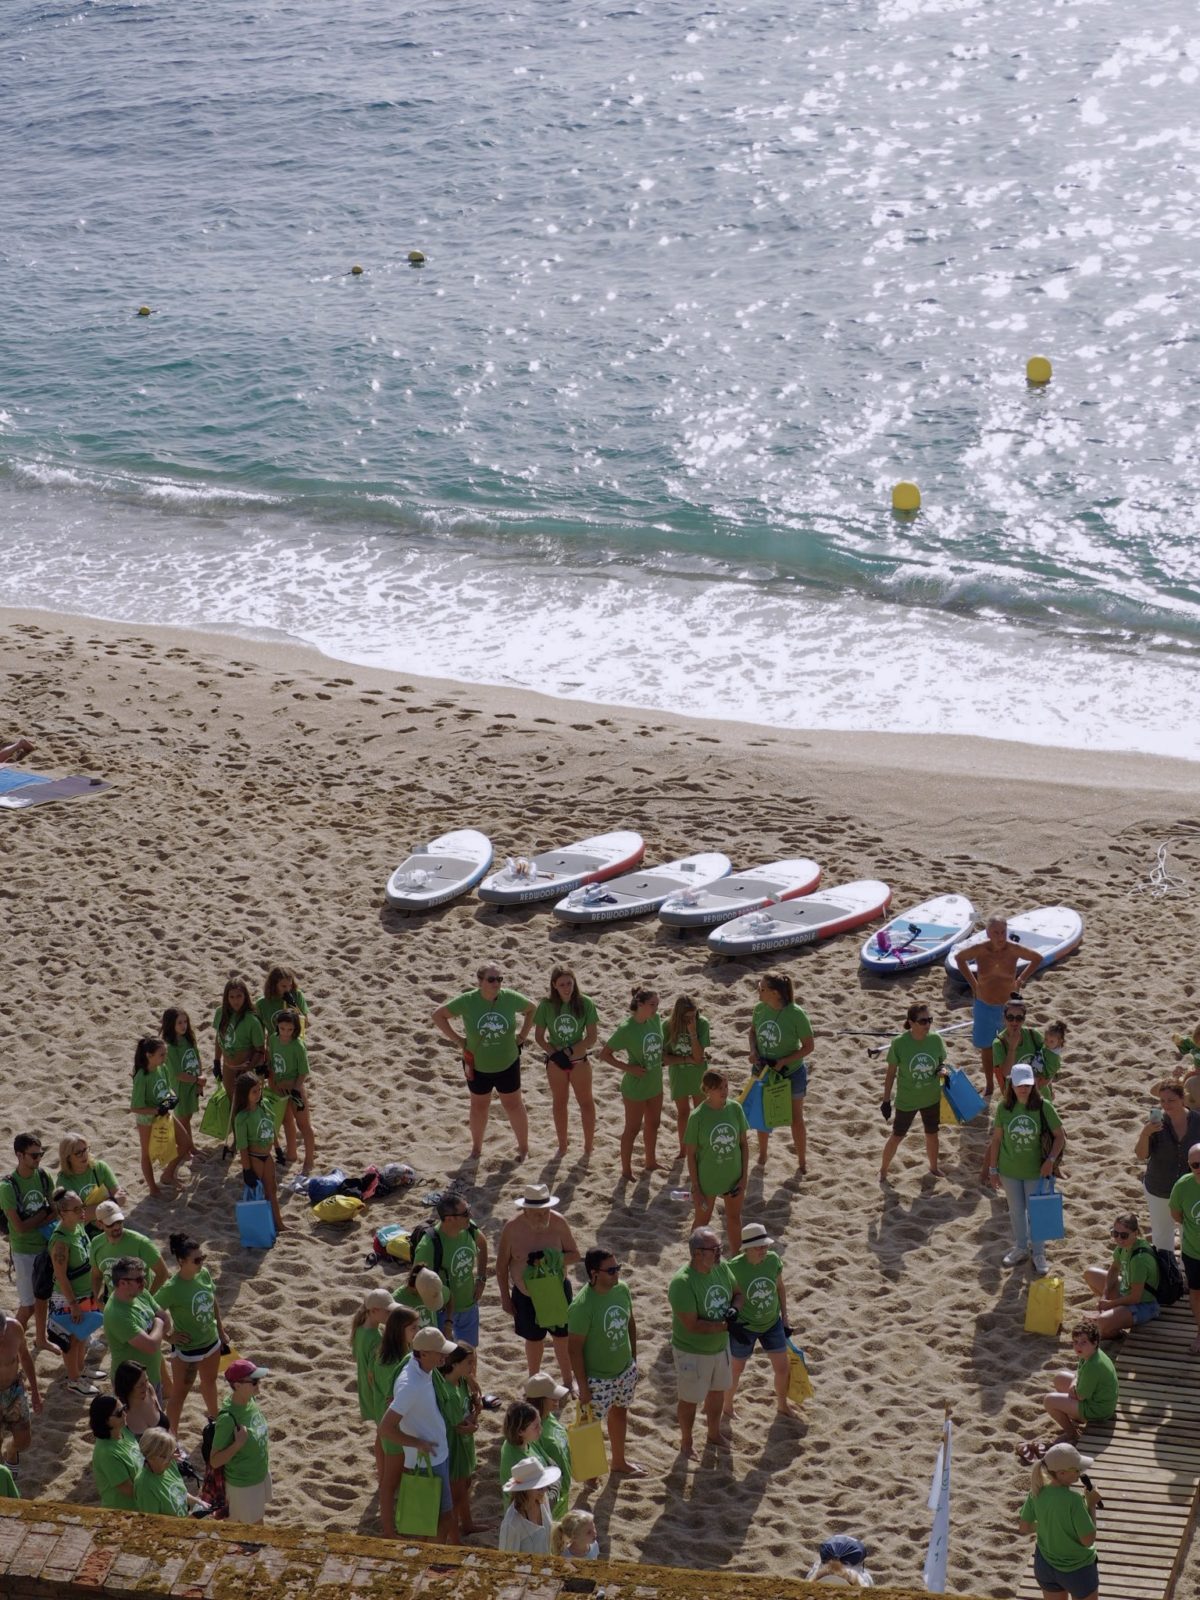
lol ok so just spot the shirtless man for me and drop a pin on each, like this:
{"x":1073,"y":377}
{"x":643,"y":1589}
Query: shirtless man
{"x":19,"y":1396}
{"x":536,"y":1227}
{"x":993,"y":981}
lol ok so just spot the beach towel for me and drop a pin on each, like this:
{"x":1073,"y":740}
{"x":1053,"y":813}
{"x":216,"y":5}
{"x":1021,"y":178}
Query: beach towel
{"x":13,"y":778}
{"x":15,"y":797}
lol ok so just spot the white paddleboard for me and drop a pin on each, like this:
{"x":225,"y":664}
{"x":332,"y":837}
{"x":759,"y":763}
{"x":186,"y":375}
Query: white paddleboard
{"x":744,"y":891}
{"x":920,"y":935}
{"x":637,"y":893}
{"x":804,"y":921}
{"x":555,"y":872}
{"x":440,"y":871}
{"x":1053,"y":931}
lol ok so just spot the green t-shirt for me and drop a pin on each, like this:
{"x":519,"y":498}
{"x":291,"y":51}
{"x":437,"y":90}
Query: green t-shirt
{"x":79,"y":1256}
{"x":161,"y":1494}
{"x":183,"y":1057}
{"x":460,"y":1257}
{"x":602,"y":1322}
{"x":104,"y":1253}
{"x":1138,"y":1264}
{"x":1021,"y":1138}
{"x":1062,"y":1518}
{"x":242,"y":1033}
{"x":289,"y":1062}
{"x":642,"y":1043}
{"x":780,"y":1033}
{"x":918,"y":1066}
{"x":702,"y":1294}
{"x":252,"y":1462}
{"x":267,"y":1010}
{"x":99,"y":1174}
{"x":716,"y":1133}
{"x":1185,"y":1198}
{"x":684,"y":1079}
{"x":1096,"y":1387}
{"x":383,"y":1376}
{"x":562,"y":1026}
{"x":366,"y":1351}
{"x":760,"y":1288}
{"x":555,"y":1451}
{"x":1030,"y":1046}
{"x":30,"y":1197}
{"x":193,"y":1310}
{"x":405,"y":1296}
{"x":254,"y":1129}
{"x":122,"y":1320}
{"x":150,"y":1089}
{"x":1048,"y":1066}
{"x":490,"y":1026}
{"x":8,"y":1484}
{"x":114,"y":1462}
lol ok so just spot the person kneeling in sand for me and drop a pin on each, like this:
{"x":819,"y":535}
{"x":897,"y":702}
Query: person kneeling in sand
{"x":841,"y":1563}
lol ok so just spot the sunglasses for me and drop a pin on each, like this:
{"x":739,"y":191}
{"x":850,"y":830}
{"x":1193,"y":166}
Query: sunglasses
{"x":611,"y":1271}
{"x":35,"y":1155}
{"x":1121,"y":1233}
{"x":491,"y":977}
{"x":1014,"y":1016}
{"x":708,"y":1249}
{"x":1195,"y":1165}
{"x":922,"y":1022}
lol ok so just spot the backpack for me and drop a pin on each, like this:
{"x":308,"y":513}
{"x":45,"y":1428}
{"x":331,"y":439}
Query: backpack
{"x":391,"y":1240}
{"x":429,"y":1230}
{"x":213,"y":1489}
{"x":1170,"y":1279}
{"x":43,"y":1274}
{"x":43,"y":1183}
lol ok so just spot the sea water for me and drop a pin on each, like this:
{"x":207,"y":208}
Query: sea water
{"x":702,"y":281}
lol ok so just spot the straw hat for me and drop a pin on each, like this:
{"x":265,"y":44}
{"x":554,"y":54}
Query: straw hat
{"x":530,"y":1472}
{"x":537,"y":1197}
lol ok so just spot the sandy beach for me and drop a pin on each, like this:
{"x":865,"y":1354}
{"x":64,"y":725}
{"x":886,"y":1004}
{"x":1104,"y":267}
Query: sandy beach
{"x":260,"y":797}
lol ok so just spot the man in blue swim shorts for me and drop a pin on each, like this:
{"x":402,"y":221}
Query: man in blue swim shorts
{"x":994,"y":971}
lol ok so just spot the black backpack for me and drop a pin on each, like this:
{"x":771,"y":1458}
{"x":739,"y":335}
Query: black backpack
{"x":429,"y":1230}
{"x":1170,"y":1279}
{"x":44,"y":1184}
{"x":43,"y":1274}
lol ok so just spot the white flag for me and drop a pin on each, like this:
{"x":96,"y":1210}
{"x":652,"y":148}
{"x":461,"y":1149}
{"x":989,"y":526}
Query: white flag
{"x":939,"y":1535}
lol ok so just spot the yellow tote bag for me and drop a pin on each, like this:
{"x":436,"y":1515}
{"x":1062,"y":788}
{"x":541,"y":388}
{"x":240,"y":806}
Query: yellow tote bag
{"x":162,"y":1140}
{"x":585,"y":1438}
{"x":1044,"y":1308}
{"x":800,"y":1386}
{"x":946,"y":1116}
{"x":231,"y":1355}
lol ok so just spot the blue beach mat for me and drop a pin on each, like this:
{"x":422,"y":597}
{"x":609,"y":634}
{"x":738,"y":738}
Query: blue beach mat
{"x":14,"y":778}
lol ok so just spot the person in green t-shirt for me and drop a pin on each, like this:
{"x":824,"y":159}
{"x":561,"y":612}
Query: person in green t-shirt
{"x":496,"y":1023}
{"x":240,"y":1444}
{"x":134,"y":1326}
{"x":565,"y":1025}
{"x":185,"y":1071}
{"x":641,"y":1038}
{"x":1015,"y":1161}
{"x":287,"y":1062}
{"x":197,"y":1334}
{"x":547,"y":1396}
{"x":781,"y":1038}
{"x":254,"y":1138}
{"x":241,"y":1040}
{"x":116,"y":1241}
{"x":71,"y":1258}
{"x":686,"y":1039}
{"x":1127,"y":1289}
{"x":758,"y":1273}
{"x":1047,"y":1063}
{"x":366,"y":1332}
{"x":1089,"y":1394}
{"x":159,"y":1489}
{"x":281,"y":992}
{"x":702,"y":1294}
{"x":916,"y":1063}
{"x":1064,"y":1561}
{"x":462,"y":1405}
{"x":1015,"y":1042}
{"x":718,"y":1155}
{"x":116,"y":1459}
{"x":93,"y":1181}
{"x":25,"y":1200}
{"x":400,"y":1328}
{"x":8,"y":1484}
{"x":602,"y":1344}
{"x":1185,"y":1209}
{"x":425,"y":1293}
{"x":457,"y":1251}
{"x":150,"y":1099}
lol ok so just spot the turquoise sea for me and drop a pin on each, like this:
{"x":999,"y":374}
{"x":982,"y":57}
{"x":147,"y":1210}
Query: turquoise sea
{"x":701,"y":283}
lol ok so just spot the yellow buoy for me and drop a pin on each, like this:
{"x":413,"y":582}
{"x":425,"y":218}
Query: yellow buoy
{"x":416,"y":258}
{"x":143,"y":311}
{"x":1038,"y":370}
{"x":906,"y":497}
{"x":356,"y":271}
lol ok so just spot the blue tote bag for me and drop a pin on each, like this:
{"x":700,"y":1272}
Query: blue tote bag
{"x":256,"y":1225}
{"x":966,"y":1102}
{"x":1046,"y":1213}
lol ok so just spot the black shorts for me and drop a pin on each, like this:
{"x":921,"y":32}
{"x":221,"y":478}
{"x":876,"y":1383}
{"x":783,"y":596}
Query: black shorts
{"x":527,"y":1325}
{"x":506,"y":1082}
{"x":931,"y":1116}
{"x":1191,"y":1271}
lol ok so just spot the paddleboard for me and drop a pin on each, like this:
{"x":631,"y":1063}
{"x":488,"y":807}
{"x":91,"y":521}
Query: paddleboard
{"x":919,"y":936}
{"x":556,"y":872}
{"x":744,"y":891}
{"x":1053,"y":931}
{"x":636,"y":893}
{"x":440,"y":870}
{"x":803,"y":921}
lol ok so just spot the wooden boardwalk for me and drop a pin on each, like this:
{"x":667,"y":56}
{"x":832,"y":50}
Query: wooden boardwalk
{"x":1147,"y":1462}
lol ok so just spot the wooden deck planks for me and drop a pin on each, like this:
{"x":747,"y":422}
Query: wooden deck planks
{"x":1147,"y":1462}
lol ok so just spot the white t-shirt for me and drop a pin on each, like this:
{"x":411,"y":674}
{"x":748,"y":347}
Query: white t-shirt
{"x":518,"y":1533}
{"x":415,"y":1402}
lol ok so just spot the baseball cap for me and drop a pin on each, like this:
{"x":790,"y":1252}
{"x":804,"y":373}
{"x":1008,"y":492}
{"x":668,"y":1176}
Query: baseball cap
{"x":108,"y":1212}
{"x":1065,"y":1458}
{"x":1021,"y":1074}
{"x":245,"y":1372}
{"x":541,"y":1386}
{"x":434,"y":1339}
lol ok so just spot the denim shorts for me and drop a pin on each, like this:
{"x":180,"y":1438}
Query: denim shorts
{"x":1144,"y":1311}
{"x":1078,"y":1584}
{"x":743,"y":1348}
{"x":799,"y":1076}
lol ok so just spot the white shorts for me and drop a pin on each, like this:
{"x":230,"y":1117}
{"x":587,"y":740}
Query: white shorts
{"x":248,"y":1502}
{"x":698,"y":1375}
{"x":23,"y":1267}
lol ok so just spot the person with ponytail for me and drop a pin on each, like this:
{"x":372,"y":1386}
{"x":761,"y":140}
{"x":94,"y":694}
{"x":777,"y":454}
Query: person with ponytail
{"x":686,"y":1038}
{"x":254,"y":1137}
{"x":184,"y":1070}
{"x":916,"y":1059}
{"x":781,"y":1038}
{"x":641,"y":1038}
{"x":241,"y":1042}
{"x":189,"y":1297}
{"x":1064,"y":1560}
{"x":70,"y":1254}
{"x":116,"y":1459}
{"x":366,"y":1331}
{"x":395,"y":1351}
{"x":150,"y":1099}
{"x":565,"y":1026}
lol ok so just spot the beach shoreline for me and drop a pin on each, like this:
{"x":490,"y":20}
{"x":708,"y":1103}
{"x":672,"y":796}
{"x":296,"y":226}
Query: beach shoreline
{"x":261,"y":794}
